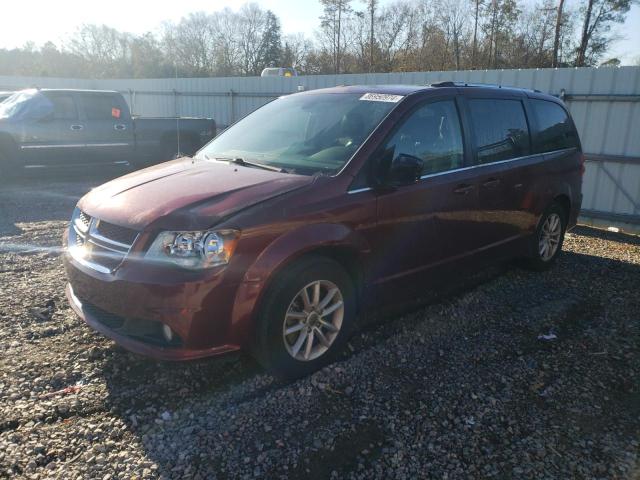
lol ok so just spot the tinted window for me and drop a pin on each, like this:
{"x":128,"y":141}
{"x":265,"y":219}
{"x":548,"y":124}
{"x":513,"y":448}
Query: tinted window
{"x":555,"y":129}
{"x":101,"y":107}
{"x":500,"y":128}
{"x":432,"y":133}
{"x":64,"y":107}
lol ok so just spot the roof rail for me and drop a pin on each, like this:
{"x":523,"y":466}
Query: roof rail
{"x":449,"y":83}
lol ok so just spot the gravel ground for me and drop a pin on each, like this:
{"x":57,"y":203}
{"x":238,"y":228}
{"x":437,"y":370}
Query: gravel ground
{"x":462,"y":387}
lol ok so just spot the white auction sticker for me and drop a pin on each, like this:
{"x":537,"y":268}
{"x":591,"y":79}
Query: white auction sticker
{"x":381,"y":97}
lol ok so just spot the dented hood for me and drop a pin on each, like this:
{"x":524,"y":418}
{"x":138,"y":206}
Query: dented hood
{"x":185,"y":194}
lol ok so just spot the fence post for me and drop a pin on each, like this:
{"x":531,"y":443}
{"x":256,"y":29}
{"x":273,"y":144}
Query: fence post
{"x":132,"y":101}
{"x":176,"y":109}
{"x":232,"y":95}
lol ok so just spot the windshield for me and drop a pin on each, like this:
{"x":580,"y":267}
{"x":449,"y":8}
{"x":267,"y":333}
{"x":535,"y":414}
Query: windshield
{"x":15,"y":103}
{"x":305,"y":134}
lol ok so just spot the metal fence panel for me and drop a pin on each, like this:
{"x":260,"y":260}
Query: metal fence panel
{"x":604,"y":103}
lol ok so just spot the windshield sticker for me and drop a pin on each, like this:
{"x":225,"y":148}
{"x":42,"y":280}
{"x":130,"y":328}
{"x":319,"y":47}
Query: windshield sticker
{"x":381,"y":97}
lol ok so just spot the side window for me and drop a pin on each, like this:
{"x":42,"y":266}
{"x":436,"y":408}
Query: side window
{"x":101,"y":107}
{"x":555,"y":129}
{"x":432,"y":133}
{"x":64,"y":107}
{"x":500,"y":128}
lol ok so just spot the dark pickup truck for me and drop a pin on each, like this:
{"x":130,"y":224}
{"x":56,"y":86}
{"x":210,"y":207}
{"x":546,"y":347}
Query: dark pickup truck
{"x":47,"y":128}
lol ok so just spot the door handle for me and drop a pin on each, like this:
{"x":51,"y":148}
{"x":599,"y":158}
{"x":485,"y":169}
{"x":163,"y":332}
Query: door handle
{"x":463,"y":189}
{"x":119,"y":126}
{"x":492,"y":182}
{"x":76,"y":127}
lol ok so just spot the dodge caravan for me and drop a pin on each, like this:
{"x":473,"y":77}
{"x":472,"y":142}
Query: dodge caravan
{"x":317,"y":208}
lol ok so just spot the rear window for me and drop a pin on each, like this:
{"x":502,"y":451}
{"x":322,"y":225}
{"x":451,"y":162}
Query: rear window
{"x":555,"y":130}
{"x":101,"y":107}
{"x":500,"y":128}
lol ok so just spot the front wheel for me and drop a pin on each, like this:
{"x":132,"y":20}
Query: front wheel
{"x":306,"y":317}
{"x":546,"y":243}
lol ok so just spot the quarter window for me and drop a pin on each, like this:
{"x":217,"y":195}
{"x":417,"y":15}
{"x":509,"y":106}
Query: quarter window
{"x":431,"y":133}
{"x":500,"y":128}
{"x":555,"y":130}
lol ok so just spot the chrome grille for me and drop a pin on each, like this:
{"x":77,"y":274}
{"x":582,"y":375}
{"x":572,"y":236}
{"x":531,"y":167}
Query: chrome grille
{"x":100,"y":245}
{"x":85,"y":220}
{"x":117,"y":233}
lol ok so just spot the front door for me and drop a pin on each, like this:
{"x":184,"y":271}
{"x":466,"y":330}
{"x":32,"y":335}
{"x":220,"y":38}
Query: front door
{"x":54,"y":137}
{"x":434,"y":221}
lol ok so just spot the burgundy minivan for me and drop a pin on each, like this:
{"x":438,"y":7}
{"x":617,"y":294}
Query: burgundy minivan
{"x":316,"y":208}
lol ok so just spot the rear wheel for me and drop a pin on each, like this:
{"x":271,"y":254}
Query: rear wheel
{"x":546,"y":243}
{"x":306,"y":318}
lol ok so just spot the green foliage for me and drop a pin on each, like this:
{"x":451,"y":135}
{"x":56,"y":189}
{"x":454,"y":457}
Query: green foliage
{"x":271,"y":53}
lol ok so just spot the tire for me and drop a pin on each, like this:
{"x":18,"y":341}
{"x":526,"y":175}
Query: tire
{"x":291,"y":356}
{"x":550,"y":233}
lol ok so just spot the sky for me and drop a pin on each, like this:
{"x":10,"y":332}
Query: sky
{"x":41,"y":20}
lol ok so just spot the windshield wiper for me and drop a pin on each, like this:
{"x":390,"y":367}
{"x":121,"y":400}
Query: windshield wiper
{"x":247,"y":163}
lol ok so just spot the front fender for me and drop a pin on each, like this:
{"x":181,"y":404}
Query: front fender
{"x":285,"y":249}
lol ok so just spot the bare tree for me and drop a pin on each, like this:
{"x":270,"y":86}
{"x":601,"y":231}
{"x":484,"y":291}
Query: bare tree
{"x":453,"y":18}
{"x":335,"y":13}
{"x":296,"y":51}
{"x":403,"y":35}
{"x":191,"y":44}
{"x":476,"y":16}
{"x":393,"y":32}
{"x":106,"y":50}
{"x":251,"y":26}
{"x":556,"y":37}
{"x":371,"y":7}
{"x":503,"y":15}
{"x":599,"y":15}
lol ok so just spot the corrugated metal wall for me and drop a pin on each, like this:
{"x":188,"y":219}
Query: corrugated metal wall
{"x":604,"y":102}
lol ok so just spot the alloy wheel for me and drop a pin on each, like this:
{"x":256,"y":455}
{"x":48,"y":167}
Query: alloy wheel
{"x":313,"y":320}
{"x":550,"y":235}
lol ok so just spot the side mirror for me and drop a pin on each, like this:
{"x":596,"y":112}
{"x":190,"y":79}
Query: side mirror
{"x":405,"y":169}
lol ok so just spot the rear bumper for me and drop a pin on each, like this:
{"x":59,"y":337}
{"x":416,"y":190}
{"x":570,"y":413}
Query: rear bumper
{"x":572,"y":221}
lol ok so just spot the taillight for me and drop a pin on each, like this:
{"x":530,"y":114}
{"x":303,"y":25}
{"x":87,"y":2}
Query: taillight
{"x":582,"y":160}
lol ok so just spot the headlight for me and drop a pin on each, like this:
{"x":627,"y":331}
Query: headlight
{"x":195,"y":250}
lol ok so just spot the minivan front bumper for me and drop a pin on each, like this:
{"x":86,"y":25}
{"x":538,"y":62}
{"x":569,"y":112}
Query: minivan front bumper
{"x":132,"y":306}
{"x":141,"y":347}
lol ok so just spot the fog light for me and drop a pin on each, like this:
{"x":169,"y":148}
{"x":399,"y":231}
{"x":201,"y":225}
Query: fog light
{"x":167,"y":333}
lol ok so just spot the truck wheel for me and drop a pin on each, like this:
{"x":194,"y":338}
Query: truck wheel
{"x":546,"y":243}
{"x":306,"y":317}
